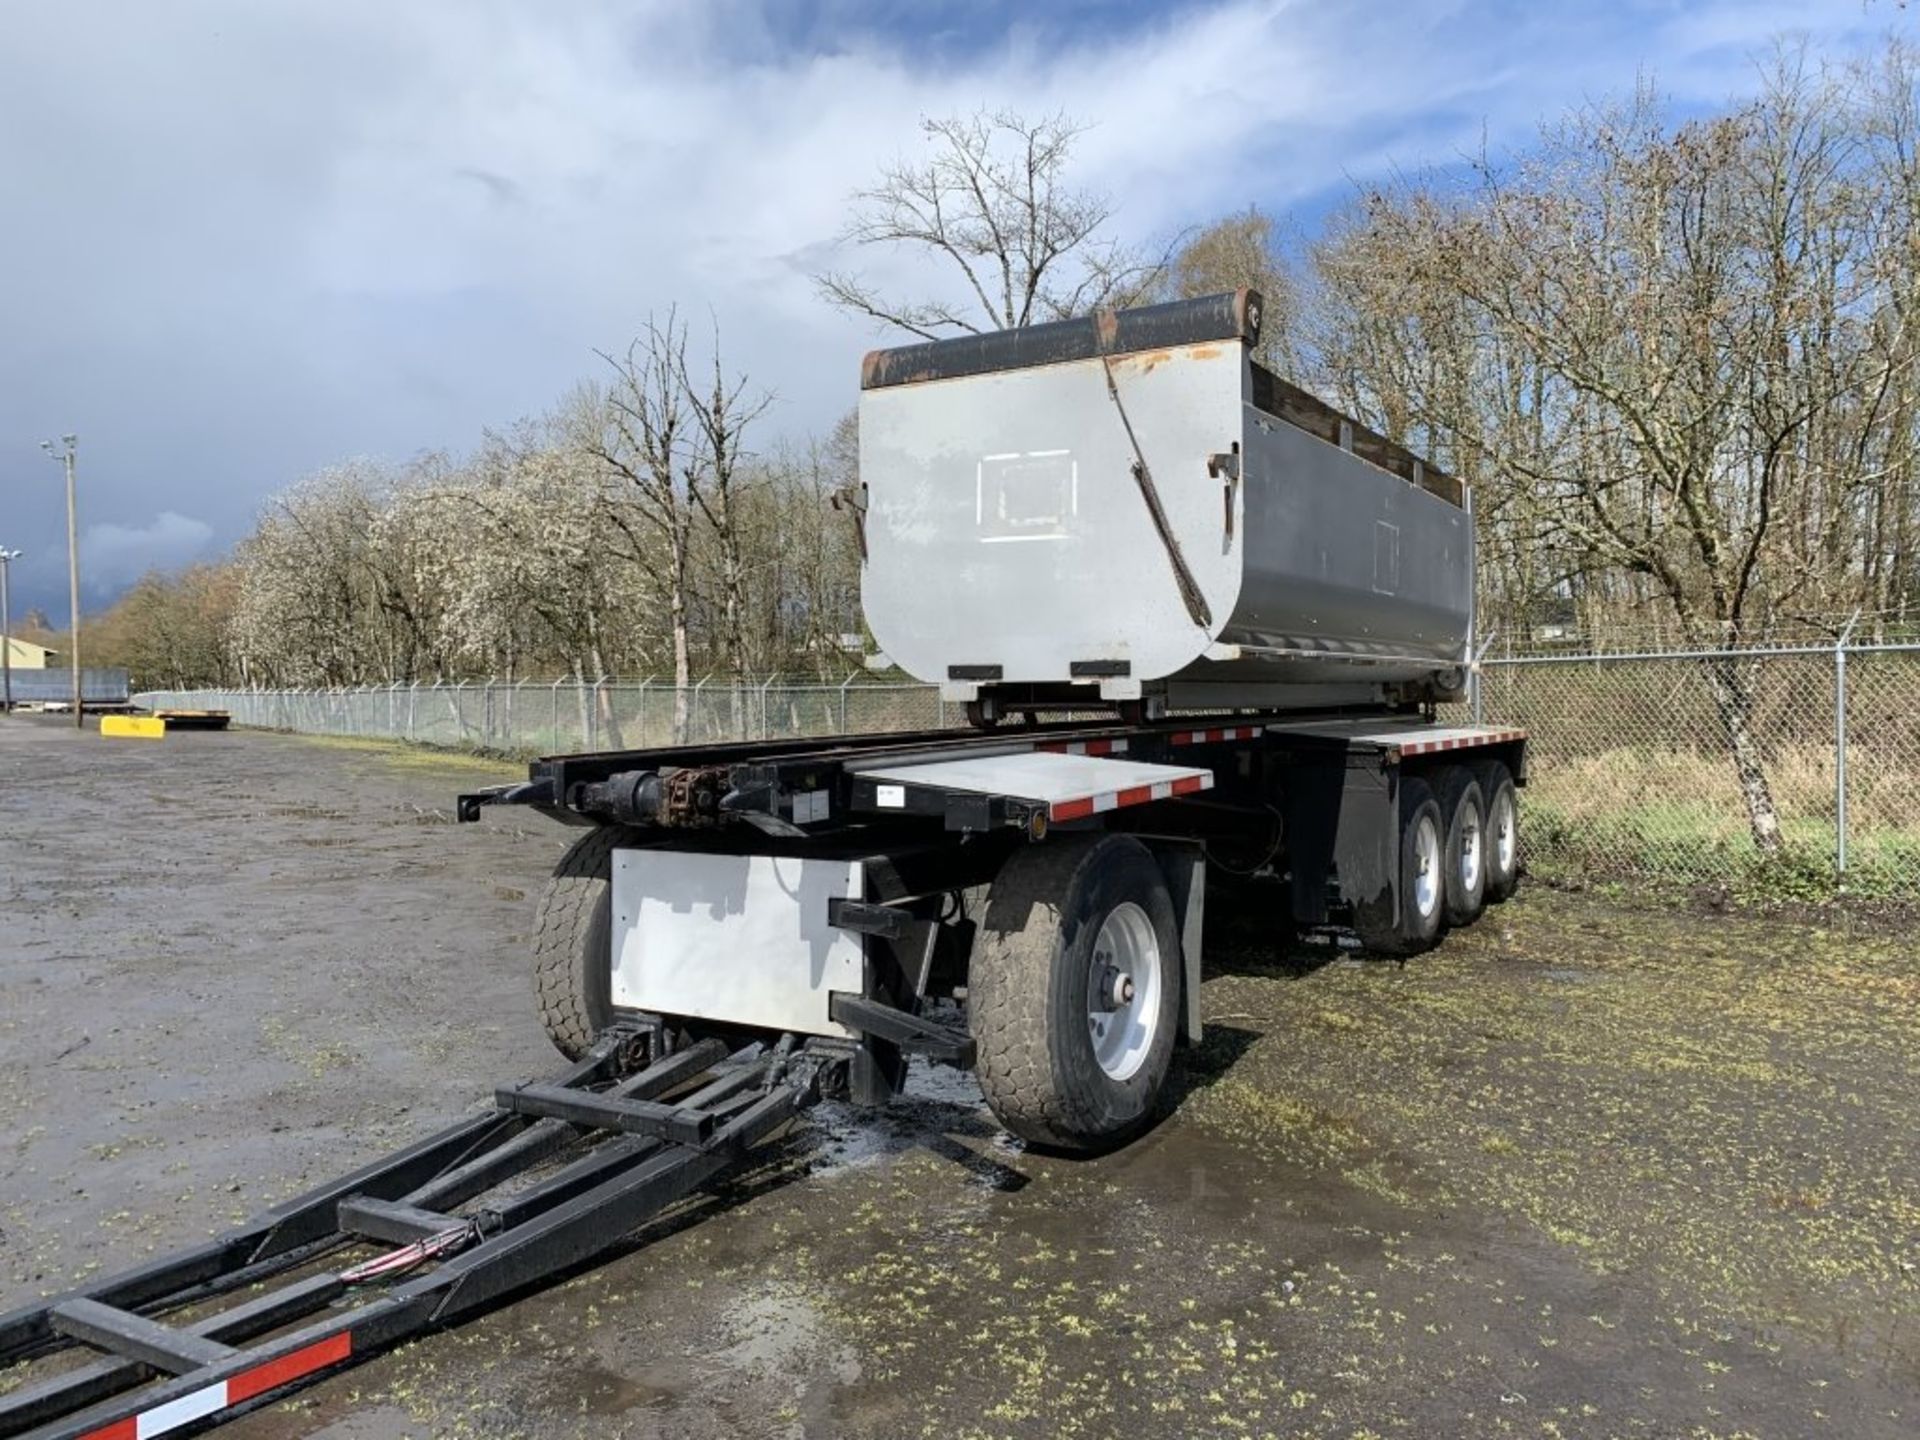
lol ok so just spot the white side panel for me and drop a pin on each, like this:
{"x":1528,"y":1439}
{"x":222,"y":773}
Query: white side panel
{"x":736,"y":938}
{"x":1036,"y":775}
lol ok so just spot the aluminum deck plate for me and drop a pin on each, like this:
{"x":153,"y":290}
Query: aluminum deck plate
{"x":1407,"y":739}
{"x":1070,"y":786}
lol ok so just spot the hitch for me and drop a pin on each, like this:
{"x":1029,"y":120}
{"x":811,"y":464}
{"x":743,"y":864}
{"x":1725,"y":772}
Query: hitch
{"x":552,"y":1176}
{"x":527,"y":792}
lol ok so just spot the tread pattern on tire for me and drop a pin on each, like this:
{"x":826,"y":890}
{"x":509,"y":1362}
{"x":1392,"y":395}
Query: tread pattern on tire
{"x":1493,"y":774}
{"x":1010,"y":994}
{"x":1008,"y":1018}
{"x":564,"y":949}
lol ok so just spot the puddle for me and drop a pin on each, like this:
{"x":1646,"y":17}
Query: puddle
{"x":782,"y":1332}
{"x":1569,"y":975}
{"x":939,"y":1109}
{"x":593,"y":1389}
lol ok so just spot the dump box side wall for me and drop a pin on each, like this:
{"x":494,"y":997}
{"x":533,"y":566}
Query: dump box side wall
{"x":1346,"y":558}
{"x":1006,"y":529}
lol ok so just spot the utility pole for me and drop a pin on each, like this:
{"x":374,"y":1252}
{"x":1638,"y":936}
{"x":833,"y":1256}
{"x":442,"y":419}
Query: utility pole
{"x":7,"y":557}
{"x":73,"y":566}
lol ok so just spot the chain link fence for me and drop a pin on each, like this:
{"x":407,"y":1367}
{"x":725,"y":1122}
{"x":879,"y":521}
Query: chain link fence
{"x":563,"y":716}
{"x":1632,"y":767}
{"x":1633,"y":775}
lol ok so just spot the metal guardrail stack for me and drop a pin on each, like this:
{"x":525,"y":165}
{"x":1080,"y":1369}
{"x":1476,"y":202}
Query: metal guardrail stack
{"x":103,"y":685}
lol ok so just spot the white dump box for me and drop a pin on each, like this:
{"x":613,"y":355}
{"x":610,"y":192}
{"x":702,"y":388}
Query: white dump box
{"x":1129,"y":506}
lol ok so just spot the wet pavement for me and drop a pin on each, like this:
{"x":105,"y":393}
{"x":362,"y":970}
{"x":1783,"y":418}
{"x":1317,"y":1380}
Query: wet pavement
{"x":1588,"y":1170}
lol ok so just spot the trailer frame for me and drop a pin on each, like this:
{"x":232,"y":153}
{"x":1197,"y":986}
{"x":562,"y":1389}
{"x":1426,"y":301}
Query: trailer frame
{"x":646,"y":1119}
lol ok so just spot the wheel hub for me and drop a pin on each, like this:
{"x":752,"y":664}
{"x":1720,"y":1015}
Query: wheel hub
{"x":1426,"y":850}
{"x":1123,"y":991}
{"x":1470,"y":855}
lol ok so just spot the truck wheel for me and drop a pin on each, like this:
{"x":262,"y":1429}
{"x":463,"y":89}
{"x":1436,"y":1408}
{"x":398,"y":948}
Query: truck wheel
{"x":1503,"y":830}
{"x":1464,"y":810}
{"x":1073,"y":991}
{"x":573,"y":944}
{"x":1422,"y":880}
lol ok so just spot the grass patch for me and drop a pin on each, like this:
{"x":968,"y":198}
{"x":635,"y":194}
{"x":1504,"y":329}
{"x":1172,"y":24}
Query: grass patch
{"x":1638,"y":812}
{"x":407,"y":755}
{"x":1723,"y":1108}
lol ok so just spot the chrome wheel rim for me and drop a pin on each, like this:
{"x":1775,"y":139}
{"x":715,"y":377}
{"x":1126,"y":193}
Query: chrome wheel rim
{"x":1426,"y":860}
{"x":1506,"y":838}
{"x":1123,"y":991}
{"x":1470,"y":852}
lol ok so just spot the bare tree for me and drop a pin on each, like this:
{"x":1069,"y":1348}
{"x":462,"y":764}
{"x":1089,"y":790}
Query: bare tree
{"x":644,"y":440}
{"x":1679,"y":345}
{"x":721,"y":410}
{"x":994,"y":202}
{"x":1241,"y":250}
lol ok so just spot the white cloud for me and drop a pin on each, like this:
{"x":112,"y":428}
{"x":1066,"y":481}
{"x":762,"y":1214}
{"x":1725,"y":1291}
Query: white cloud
{"x":115,"y":555}
{"x":245,"y":240}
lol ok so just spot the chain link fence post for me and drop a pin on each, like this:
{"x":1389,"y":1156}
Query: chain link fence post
{"x":1840,"y":749}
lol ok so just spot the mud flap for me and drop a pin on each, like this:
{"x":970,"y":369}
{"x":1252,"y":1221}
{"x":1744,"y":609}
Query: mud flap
{"x":1366,"y":843}
{"x":1184,"y":865}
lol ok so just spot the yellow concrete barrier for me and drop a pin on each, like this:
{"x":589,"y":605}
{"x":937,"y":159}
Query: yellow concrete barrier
{"x":134,"y":727}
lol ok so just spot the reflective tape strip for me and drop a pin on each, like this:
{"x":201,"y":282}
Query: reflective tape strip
{"x":1084,"y":747}
{"x":198,"y":1404}
{"x":304,"y":1361}
{"x":1136,"y":795}
{"x":188,"y":1408}
{"x":1461,"y":742}
{"x":1209,"y":737}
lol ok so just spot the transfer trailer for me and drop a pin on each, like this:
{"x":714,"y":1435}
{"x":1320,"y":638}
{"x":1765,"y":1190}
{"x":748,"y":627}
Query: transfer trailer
{"x":740,"y":930}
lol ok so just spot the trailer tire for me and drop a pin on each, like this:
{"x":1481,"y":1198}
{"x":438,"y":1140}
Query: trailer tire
{"x":1464,"y":809}
{"x":573,"y":944}
{"x":1031,"y":1002}
{"x":1422,"y":851}
{"x":1503,"y":830}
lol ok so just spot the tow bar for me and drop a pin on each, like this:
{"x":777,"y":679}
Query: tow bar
{"x":601,"y":1148}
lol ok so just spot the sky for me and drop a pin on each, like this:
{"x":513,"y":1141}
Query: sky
{"x":244,"y":239}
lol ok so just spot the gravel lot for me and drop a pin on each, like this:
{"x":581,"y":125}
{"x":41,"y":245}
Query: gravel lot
{"x":1588,"y":1170}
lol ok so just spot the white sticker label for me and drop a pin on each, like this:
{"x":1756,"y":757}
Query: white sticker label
{"x":890,"y":797}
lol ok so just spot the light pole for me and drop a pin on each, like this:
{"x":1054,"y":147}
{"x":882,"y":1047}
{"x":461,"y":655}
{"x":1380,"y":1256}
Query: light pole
{"x":7,"y":557}
{"x":65,"y":457}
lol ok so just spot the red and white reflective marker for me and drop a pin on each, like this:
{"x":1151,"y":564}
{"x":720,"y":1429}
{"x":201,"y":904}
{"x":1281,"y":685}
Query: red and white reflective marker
{"x":1414,"y":743}
{"x":1133,"y":795}
{"x":1084,"y":747}
{"x":198,"y":1404}
{"x":1210,"y":737}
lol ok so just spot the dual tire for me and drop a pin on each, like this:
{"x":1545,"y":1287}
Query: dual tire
{"x":1073,"y":987}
